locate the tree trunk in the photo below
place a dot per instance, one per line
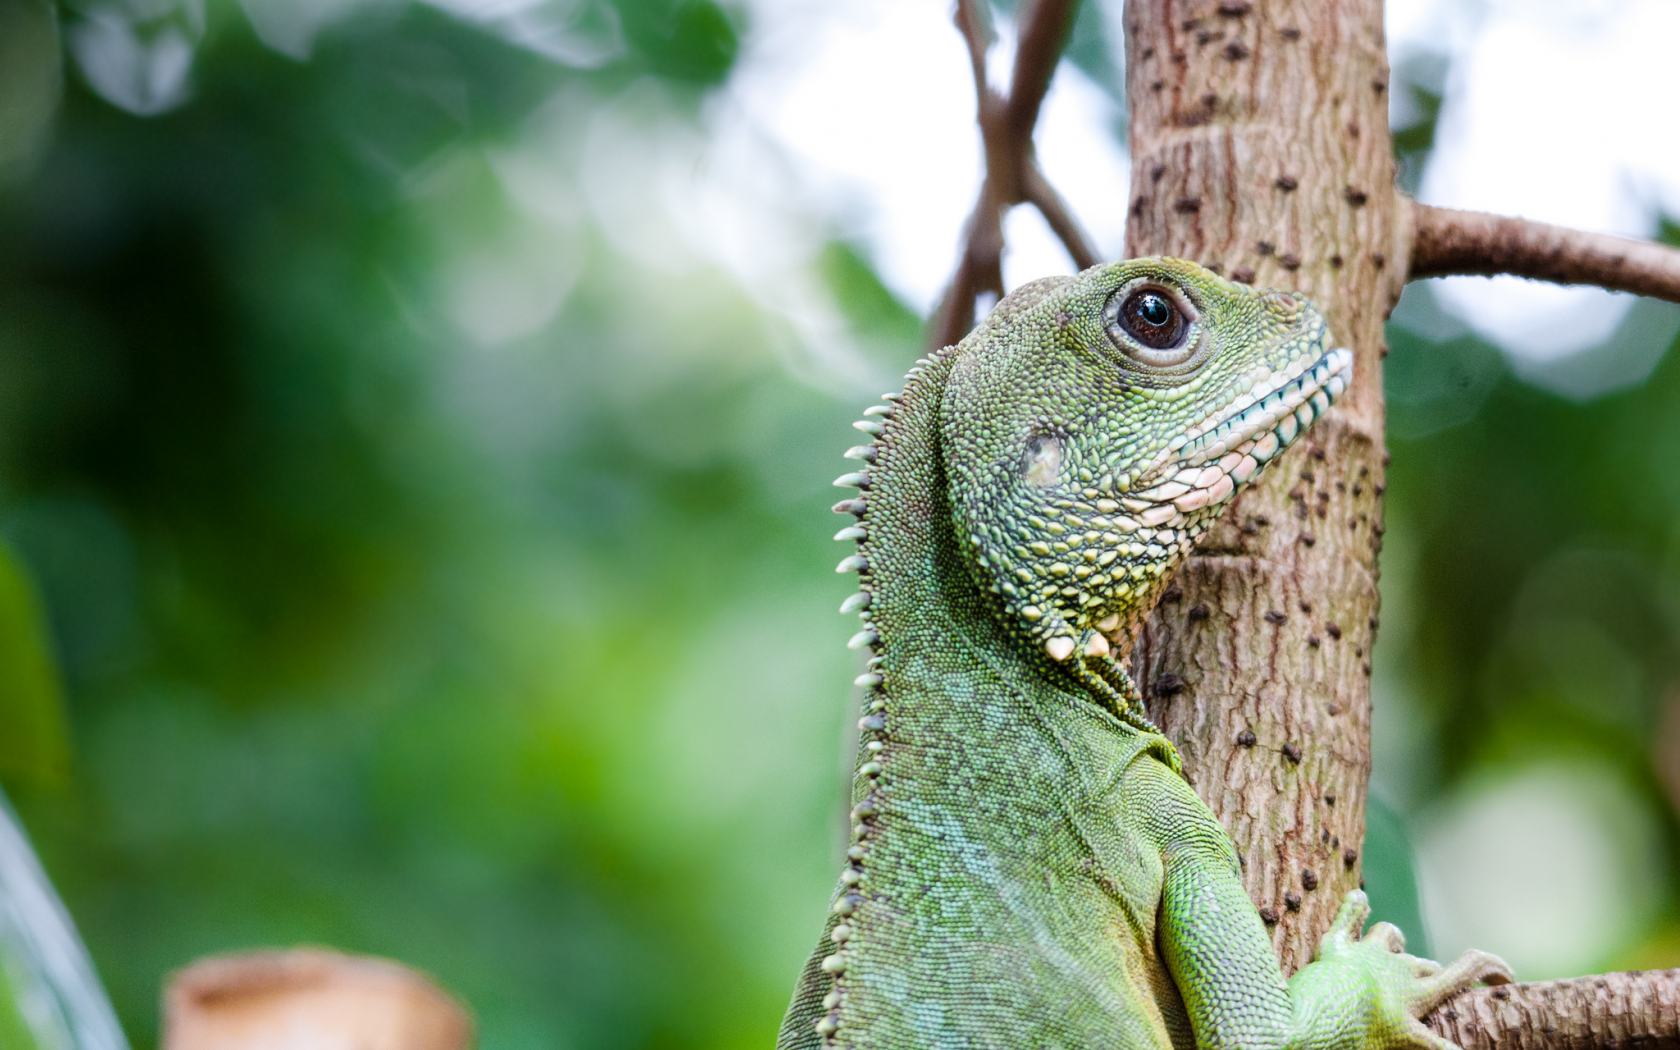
(1260, 148)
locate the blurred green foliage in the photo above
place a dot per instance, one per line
(14, 1030)
(509, 662)
(30, 76)
(1541, 579)
(33, 744)
(398, 613)
(688, 40)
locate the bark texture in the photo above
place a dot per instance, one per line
(1611, 1010)
(1260, 148)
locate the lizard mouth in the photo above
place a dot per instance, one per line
(1216, 456)
(1305, 393)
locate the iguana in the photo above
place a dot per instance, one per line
(1028, 869)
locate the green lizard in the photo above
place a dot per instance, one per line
(1028, 869)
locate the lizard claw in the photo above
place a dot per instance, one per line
(1468, 970)
(1422, 967)
(1350, 919)
(1388, 935)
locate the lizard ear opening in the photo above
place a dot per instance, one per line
(1041, 466)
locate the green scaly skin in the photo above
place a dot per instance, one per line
(1028, 869)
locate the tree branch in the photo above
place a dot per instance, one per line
(979, 270)
(1012, 173)
(1043, 196)
(976, 29)
(1447, 241)
(1044, 30)
(1636, 1008)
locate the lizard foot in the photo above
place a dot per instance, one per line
(1407, 987)
(1442, 983)
(1468, 970)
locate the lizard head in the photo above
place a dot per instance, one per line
(1093, 427)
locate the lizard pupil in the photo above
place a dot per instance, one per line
(1152, 319)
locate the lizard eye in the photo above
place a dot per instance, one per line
(1155, 325)
(1152, 319)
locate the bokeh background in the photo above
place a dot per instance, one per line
(416, 426)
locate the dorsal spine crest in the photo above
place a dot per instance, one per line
(884, 422)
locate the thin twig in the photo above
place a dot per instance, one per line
(1629, 1009)
(978, 270)
(976, 29)
(1044, 31)
(1012, 173)
(1043, 196)
(1472, 242)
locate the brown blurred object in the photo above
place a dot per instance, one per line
(309, 999)
(1665, 757)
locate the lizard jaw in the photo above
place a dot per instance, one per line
(1162, 522)
(1233, 447)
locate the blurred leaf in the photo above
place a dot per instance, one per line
(1418, 90)
(1420, 136)
(32, 735)
(870, 308)
(14, 1030)
(31, 78)
(691, 40)
(1090, 47)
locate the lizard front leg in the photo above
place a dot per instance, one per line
(1360, 992)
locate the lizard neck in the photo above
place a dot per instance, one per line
(934, 631)
(929, 619)
(954, 702)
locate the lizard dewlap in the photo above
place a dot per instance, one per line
(1027, 870)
